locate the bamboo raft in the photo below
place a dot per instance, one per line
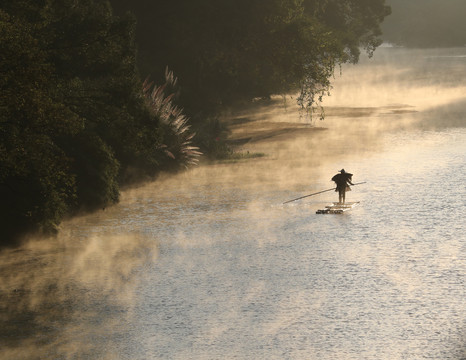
(337, 208)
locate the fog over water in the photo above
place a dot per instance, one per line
(210, 264)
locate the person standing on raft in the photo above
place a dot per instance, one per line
(343, 180)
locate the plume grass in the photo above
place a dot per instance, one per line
(179, 146)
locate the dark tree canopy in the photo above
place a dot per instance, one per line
(231, 50)
(74, 121)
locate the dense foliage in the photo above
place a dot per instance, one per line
(74, 121)
(234, 50)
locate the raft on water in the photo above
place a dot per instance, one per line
(337, 208)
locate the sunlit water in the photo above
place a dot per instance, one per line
(211, 265)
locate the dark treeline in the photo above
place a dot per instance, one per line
(234, 50)
(426, 23)
(77, 120)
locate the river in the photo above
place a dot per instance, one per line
(210, 264)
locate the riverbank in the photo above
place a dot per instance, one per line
(279, 119)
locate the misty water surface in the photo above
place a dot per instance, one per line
(211, 265)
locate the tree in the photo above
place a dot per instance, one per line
(35, 186)
(236, 50)
(347, 25)
(74, 121)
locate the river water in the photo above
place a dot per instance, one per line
(210, 264)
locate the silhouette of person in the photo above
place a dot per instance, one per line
(343, 179)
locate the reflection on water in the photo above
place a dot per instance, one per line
(211, 265)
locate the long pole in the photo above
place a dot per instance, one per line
(320, 192)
